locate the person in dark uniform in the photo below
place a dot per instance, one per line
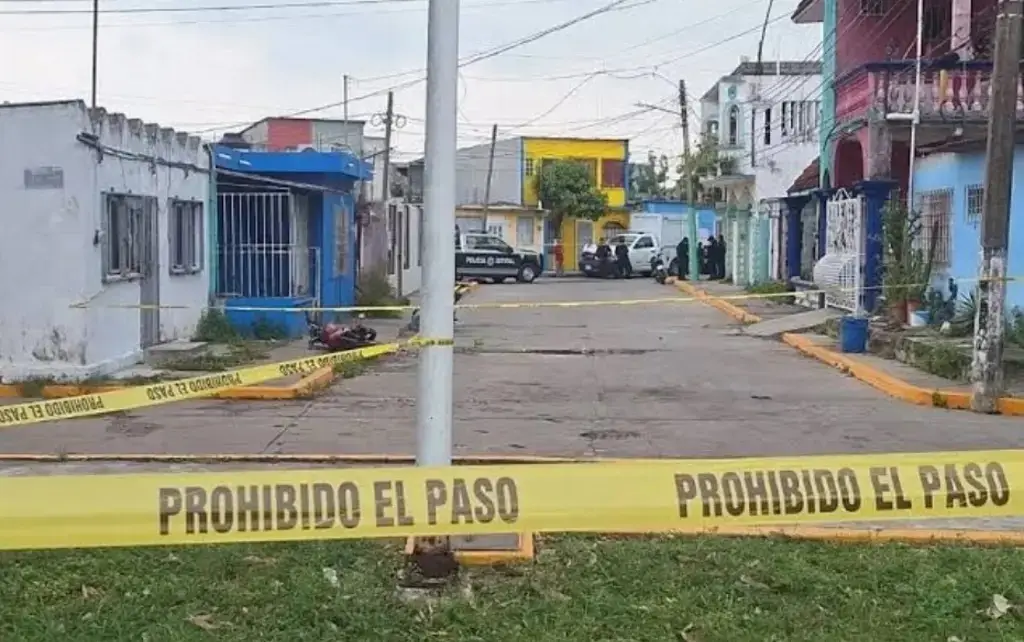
(625, 269)
(721, 257)
(683, 258)
(711, 252)
(603, 256)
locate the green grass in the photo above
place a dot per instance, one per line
(580, 588)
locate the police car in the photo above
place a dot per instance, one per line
(485, 256)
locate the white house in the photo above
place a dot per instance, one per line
(765, 118)
(101, 213)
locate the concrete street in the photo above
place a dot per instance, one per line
(661, 380)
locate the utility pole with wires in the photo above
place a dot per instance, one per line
(684, 114)
(389, 120)
(759, 76)
(490, 171)
(344, 98)
(684, 111)
(95, 47)
(990, 319)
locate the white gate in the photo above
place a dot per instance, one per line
(840, 272)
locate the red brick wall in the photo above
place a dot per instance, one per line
(284, 133)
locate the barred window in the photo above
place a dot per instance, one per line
(936, 208)
(975, 197)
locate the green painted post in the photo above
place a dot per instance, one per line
(694, 255)
(741, 247)
(828, 92)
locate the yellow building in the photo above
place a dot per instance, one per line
(520, 227)
(607, 159)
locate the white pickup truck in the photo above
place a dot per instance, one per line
(642, 248)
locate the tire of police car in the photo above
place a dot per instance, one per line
(527, 273)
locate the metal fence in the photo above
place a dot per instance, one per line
(268, 271)
(263, 249)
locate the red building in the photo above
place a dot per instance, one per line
(872, 46)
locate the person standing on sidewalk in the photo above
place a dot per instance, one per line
(559, 253)
(683, 258)
(721, 257)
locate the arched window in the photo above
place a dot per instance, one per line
(734, 125)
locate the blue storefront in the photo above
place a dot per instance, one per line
(285, 235)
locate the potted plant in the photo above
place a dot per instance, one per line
(897, 230)
(908, 269)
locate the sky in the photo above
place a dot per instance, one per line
(209, 66)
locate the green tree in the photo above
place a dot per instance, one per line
(704, 161)
(566, 189)
(649, 179)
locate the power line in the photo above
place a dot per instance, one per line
(480, 57)
(306, 4)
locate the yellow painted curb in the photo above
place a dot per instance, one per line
(734, 311)
(311, 383)
(302, 389)
(892, 386)
(524, 552)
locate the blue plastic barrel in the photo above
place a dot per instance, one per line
(853, 334)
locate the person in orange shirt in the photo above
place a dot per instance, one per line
(559, 258)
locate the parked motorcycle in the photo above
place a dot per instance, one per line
(337, 337)
(658, 269)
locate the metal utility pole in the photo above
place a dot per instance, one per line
(684, 114)
(385, 187)
(434, 402)
(390, 121)
(990, 320)
(344, 103)
(95, 47)
(757, 84)
(490, 171)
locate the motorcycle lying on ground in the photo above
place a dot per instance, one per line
(658, 269)
(337, 337)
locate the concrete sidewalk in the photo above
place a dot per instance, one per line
(893, 378)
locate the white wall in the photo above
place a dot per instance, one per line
(778, 163)
(506, 176)
(53, 255)
(412, 277)
(373, 151)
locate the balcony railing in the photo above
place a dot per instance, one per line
(956, 92)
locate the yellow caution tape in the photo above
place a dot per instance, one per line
(178, 390)
(644, 496)
(528, 304)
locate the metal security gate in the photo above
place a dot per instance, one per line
(840, 272)
(263, 246)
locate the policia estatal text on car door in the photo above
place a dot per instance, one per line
(485, 256)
